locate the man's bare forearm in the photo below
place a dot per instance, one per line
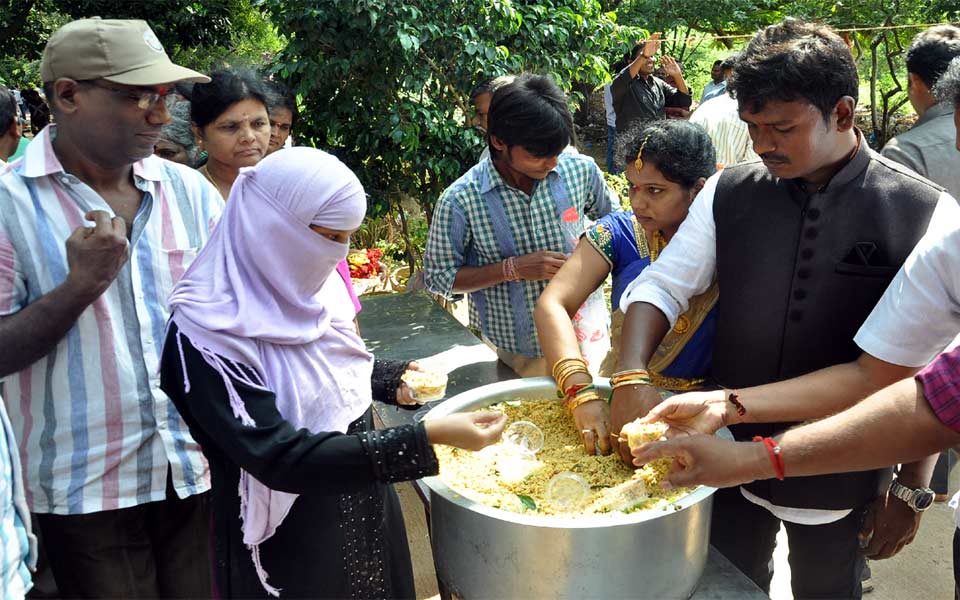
(33, 332)
(821, 393)
(471, 279)
(643, 329)
(681, 85)
(895, 425)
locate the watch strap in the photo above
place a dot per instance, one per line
(918, 499)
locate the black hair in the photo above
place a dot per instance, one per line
(531, 111)
(717, 62)
(227, 87)
(947, 89)
(39, 110)
(931, 51)
(729, 62)
(795, 60)
(680, 150)
(8, 109)
(631, 56)
(484, 87)
(282, 97)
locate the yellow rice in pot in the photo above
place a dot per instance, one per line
(502, 479)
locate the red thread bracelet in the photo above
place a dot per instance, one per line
(734, 399)
(776, 456)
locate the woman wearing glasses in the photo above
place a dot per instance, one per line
(231, 122)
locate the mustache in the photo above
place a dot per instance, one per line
(771, 157)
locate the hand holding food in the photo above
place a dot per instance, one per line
(707, 460)
(694, 412)
(629, 402)
(424, 385)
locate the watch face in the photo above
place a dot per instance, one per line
(924, 500)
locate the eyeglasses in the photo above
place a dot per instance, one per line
(146, 99)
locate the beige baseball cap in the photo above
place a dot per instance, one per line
(121, 51)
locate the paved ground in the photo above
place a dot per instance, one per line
(923, 569)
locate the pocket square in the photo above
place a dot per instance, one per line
(866, 254)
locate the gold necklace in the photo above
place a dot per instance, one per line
(657, 246)
(206, 173)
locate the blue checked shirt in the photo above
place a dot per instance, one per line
(480, 220)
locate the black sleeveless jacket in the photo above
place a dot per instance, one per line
(799, 273)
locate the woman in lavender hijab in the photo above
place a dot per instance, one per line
(264, 363)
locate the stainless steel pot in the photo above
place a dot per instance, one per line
(483, 552)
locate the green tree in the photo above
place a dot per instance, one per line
(384, 83)
(199, 34)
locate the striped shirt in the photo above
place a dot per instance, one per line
(18, 546)
(721, 120)
(480, 220)
(94, 430)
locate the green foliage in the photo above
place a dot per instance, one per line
(621, 186)
(197, 34)
(384, 83)
(879, 53)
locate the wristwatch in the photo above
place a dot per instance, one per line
(919, 500)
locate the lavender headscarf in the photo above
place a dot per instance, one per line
(255, 296)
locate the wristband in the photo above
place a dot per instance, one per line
(775, 454)
(734, 399)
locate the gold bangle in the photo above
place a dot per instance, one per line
(576, 401)
(627, 382)
(565, 363)
(562, 382)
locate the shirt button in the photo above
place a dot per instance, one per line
(811, 233)
(803, 273)
(806, 253)
(813, 214)
(796, 315)
(799, 294)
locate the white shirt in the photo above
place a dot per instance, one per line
(919, 314)
(687, 265)
(608, 105)
(721, 119)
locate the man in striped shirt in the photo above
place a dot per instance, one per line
(94, 232)
(721, 119)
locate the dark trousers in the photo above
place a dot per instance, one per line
(824, 559)
(956, 564)
(155, 550)
(612, 168)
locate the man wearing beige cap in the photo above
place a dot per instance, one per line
(94, 232)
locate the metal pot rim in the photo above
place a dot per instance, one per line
(476, 398)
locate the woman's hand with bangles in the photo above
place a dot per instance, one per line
(592, 420)
(629, 402)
